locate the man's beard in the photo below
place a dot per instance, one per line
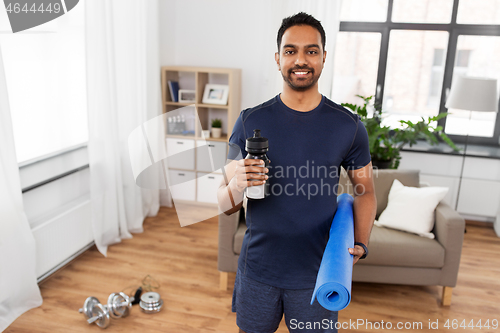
(304, 85)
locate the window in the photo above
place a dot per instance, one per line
(435, 11)
(436, 81)
(408, 75)
(364, 10)
(46, 83)
(355, 65)
(479, 12)
(422, 46)
(476, 56)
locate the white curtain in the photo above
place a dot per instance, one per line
(19, 291)
(122, 41)
(328, 13)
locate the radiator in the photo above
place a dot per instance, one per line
(62, 237)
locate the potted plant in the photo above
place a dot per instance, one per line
(386, 143)
(216, 127)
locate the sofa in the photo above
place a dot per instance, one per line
(396, 257)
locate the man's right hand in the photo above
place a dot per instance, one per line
(238, 172)
(245, 170)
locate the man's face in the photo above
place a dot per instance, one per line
(301, 57)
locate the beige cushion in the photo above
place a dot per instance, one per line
(238, 238)
(382, 180)
(388, 247)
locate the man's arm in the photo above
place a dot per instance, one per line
(364, 207)
(235, 180)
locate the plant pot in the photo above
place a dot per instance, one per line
(381, 164)
(216, 132)
(205, 134)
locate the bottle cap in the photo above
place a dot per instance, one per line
(257, 141)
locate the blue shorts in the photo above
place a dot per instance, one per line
(259, 308)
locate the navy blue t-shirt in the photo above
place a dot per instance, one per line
(287, 231)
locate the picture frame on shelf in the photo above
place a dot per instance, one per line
(187, 96)
(215, 94)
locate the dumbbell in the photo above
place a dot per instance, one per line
(95, 312)
(119, 305)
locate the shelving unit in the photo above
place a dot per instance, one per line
(193, 175)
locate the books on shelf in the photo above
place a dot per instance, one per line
(173, 86)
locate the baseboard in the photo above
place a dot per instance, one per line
(484, 224)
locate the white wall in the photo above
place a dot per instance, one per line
(223, 33)
(479, 193)
(240, 34)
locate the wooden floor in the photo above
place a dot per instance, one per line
(184, 261)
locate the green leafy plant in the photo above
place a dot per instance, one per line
(386, 143)
(216, 123)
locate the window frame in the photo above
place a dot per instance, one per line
(454, 30)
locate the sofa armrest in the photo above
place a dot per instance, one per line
(449, 231)
(228, 224)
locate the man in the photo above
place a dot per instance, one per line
(310, 137)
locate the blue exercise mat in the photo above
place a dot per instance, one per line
(334, 280)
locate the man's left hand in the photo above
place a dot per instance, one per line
(357, 252)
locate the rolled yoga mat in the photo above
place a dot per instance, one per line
(334, 280)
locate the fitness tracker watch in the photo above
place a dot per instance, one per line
(364, 248)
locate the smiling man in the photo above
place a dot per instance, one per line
(310, 138)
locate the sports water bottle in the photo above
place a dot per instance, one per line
(257, 146)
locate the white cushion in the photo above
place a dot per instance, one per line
(411, 209)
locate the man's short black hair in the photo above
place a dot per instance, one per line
(301, 18)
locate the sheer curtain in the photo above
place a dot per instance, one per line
(122, 39)
(19, 291)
